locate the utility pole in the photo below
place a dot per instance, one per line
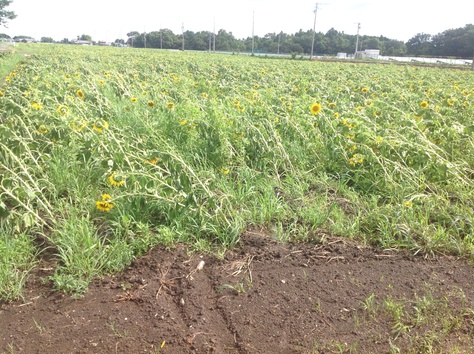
(214, 37)
(357, 40)
(182, 31)
(278, 48)
(314, 32)
(253, 29)
(161, 37)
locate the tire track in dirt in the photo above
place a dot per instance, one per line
(207, 326)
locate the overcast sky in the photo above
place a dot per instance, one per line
(111, 19)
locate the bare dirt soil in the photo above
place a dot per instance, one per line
(262, 297)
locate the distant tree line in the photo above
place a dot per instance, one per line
(457, 42)
(330, 43)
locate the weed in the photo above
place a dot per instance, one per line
(237, 289)
(116, 332)
(38, 326)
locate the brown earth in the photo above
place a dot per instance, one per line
(263, 297)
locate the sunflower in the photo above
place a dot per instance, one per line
(355, 159)
(116, 181)
(316, 108)
(105, 204)
(153, 161)
(78, 124)
(80, 94)
(424, 104)
(100, 126)
(62, 110)
(36, 105)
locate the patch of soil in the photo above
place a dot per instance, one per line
(263, 297)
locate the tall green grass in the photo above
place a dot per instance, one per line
(105, 152)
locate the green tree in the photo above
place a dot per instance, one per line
(131, 38)
(225, 41)
(371, 43)
(458, 42)
(5, 15)
(84, 37)
(170, 40)
(395, 48)
(420, 44)
(198, 40)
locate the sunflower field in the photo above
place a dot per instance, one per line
(106, 152)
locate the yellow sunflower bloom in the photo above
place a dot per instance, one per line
(153, 161)
(100, 126)
(315, 108)
(36, 106)
(63, 110)
(78, 124)
(117, 181)
(105, 204)
(42, 129)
